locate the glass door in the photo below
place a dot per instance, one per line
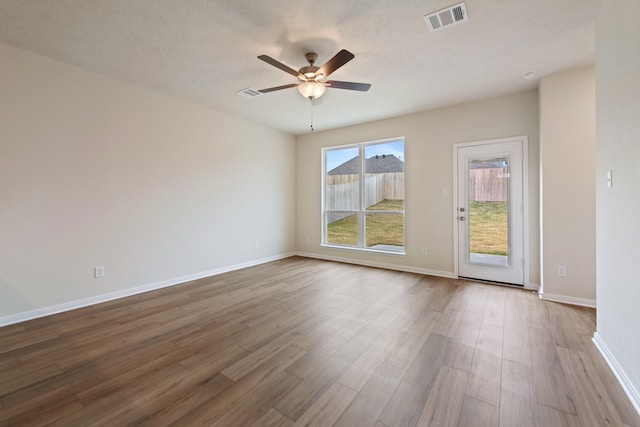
(490, 212)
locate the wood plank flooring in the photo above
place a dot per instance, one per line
(302, 342)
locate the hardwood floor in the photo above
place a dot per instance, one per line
(302, 342)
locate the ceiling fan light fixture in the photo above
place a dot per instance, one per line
(312, 81)
(311, 89)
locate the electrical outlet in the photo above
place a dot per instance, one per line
(256, 244)
(562, 271)
(424, 251)
(98, 272)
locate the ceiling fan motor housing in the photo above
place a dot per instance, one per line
(309, 72)
(311, 57)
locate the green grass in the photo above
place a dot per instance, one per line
(387, 205)
(385, 229)
(488, 225)
(344, 231)
(382, 229)
(487, 222)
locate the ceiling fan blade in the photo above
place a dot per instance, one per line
(336, 62)
(271, 89)
(278, 64)
(362, 87)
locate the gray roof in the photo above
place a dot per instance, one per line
(385, 163)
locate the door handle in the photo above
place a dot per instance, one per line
(461, 218)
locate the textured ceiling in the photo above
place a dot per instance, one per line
(204, 51)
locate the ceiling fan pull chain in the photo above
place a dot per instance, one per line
(311, 103)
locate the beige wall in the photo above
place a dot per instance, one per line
(429, 137)
(94, 171)
(618, 207)
(567, 162)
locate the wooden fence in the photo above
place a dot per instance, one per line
(342, 191)
(489, 184)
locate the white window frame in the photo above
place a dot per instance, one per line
(361, 212)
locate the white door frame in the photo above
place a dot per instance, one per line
(525, 199)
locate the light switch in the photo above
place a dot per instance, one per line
(609, 179)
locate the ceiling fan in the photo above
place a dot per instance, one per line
(311, 79)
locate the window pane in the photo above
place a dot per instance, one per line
(342, 228)
(385, 231)
(384, 176)
(342, 191)
(488, 211)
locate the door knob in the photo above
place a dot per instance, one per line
(461, 218)
(461, 209)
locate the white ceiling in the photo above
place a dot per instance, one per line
(205, 50)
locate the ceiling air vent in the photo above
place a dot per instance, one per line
(446, 17)
(248, 93)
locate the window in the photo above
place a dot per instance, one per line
(364, 196)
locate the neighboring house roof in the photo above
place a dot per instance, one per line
(385, 163)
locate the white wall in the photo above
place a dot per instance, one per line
(94, 171)
(567, 162)
(618, 207)
(429, 137)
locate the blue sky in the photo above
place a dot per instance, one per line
(338, 157)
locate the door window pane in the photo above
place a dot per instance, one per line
(488, 211)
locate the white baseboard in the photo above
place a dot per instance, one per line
(396, 267)
(568, 300)
(72, 305)
(631, 392)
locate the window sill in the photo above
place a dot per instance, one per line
(366, 250)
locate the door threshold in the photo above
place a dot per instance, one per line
(491, 282)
